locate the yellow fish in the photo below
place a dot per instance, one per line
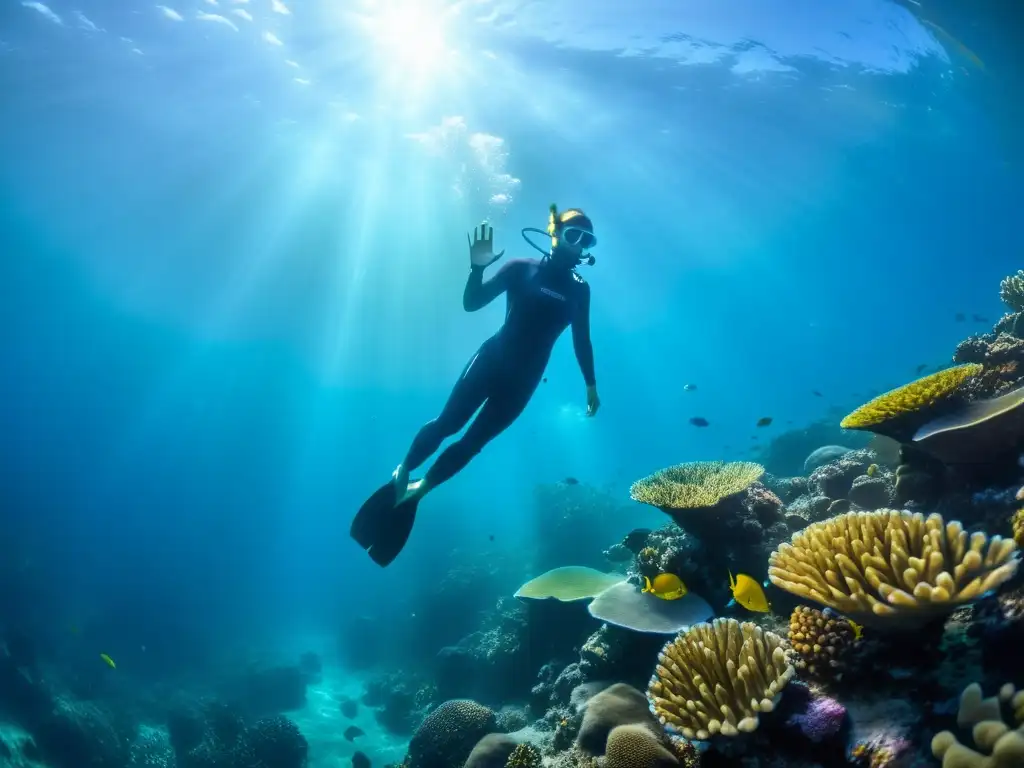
(108, 660)
(748, 593)
(872, 470)
(667, 586)
(858, 630)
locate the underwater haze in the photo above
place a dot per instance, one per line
(232, 257)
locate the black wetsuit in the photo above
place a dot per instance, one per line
(543, 299)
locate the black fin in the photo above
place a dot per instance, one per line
(374, 512)
(393, 532)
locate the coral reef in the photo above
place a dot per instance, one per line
(695, 486)
(717, 678)
(821, 643)
(901, 411)
(447, 736)
(635, 746)
(891, 568)
(1003, 747)
(1011, 291)
(400, 699)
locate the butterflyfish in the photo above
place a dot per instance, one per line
(109, 661)
(748, 593)
(667, 586)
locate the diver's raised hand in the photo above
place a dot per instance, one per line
(481, 246)
(593, 401)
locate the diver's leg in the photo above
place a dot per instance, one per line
(500, 410)
(465, 399)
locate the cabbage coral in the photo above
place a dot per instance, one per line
(1003, 747)
(717, 678)
(891, 567)
(1011, 291)
(915, 401)
(695, 485)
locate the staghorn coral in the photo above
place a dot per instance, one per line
(695, 485)
(635, 746)
(716, 678)
(890, 568)
(1005, 747)
(889, 413)
(821, 642)
(1011, 291)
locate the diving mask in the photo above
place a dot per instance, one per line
(577, 237)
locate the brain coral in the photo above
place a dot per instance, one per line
(1005, 747)
(716, 679)
(448, 734)
(889, 413)
(635, 746)
(695, 485)
(891, 567)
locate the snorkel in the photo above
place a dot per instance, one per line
(551, 231)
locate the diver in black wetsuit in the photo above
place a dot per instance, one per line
(543, 298)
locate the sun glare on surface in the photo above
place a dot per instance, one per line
(409, 36)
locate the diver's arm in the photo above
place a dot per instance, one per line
(479, 292)
(581, 337)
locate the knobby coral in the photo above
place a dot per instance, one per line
(889, 413)
(695, 485)
(891, 567)
(1005, 747)
(716, 678)
(1011, 291)
(821, 642)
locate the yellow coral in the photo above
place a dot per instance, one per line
(912, 398)
(1005, 747)
(716, 678)
(1017, 522)
(695, 485)
(891, 565)
(1011, 291)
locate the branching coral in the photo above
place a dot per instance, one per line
(695, 485)
(820, 642)
(716, 678)
(887, 413)
(890, 567)
(1005, 747)
(524, 756)
(1011, 291)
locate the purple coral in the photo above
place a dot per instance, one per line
(822, 720)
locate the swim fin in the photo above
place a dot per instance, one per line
(382, 527)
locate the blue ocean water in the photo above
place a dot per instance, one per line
(232, 255)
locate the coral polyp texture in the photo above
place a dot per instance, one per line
(889, 413)
(820, 642)
(695, 485)
(1011, 291)
(891, 567)
(716, 679)
(1000, 746)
